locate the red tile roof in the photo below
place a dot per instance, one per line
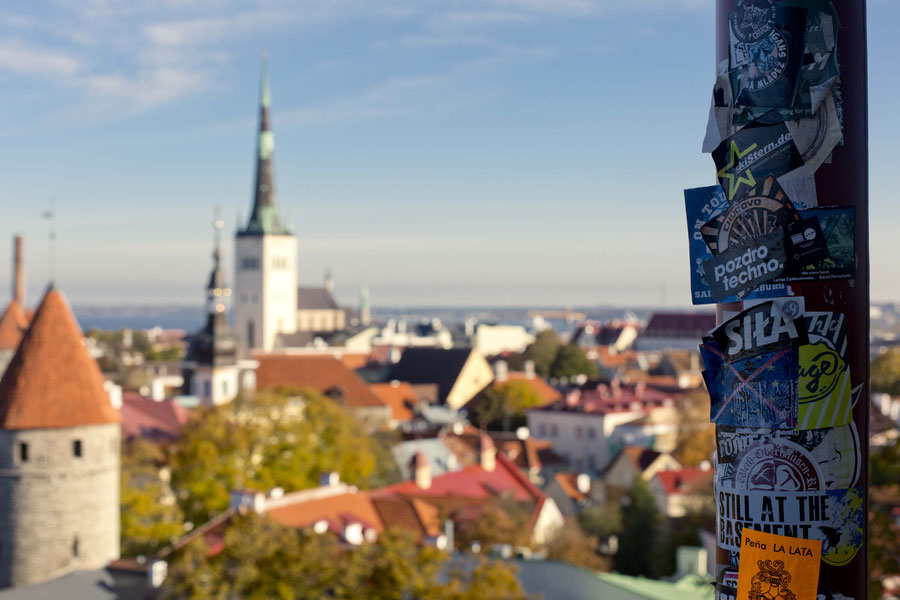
(399, 396)
(341, 509)
(411, 514)
(680, 325)
(323, 373)
(529, 453)
(52, 381)
(147, 418)
(688, 480)
(13, 324)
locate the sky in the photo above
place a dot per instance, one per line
(454, 152)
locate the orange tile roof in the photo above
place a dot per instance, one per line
(412, 514)
(400, 396)
(354, 361)
(337, 510)
(52, 381)
(13, 324)
(322, 373)
(568, 483)
(547, 392)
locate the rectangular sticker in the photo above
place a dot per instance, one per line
(837, 225)
(701, 205)
(742, 269)
(834, 517)
(778, 566)
(762, 328)
(788, 459)
(756, 391)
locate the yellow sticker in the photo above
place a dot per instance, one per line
(777, 567)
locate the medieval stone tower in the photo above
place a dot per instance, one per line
(59, 454)
(265, 260)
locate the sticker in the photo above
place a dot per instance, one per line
(816, 137)
(835, 517)
(762, 328)
(763, 209)
(835, 452)
(741, 269)
(778, 566)
(804, 245)
(766, 53)
(756, 391)
(751, 155)
(701, 205)
(824, 389)
(837, 225)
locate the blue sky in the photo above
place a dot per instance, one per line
(507, 152)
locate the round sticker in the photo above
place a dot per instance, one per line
(776, 465)
(752, 20)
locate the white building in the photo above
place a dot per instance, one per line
(265, 254)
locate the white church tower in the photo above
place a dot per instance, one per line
(265, 283)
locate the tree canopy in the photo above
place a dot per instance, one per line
(281, 439)
(504, 406)
(261, 560)
(886, 372)
(639, 544)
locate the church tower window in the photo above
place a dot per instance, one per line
(76, 448)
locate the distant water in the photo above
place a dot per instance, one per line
(192, 318)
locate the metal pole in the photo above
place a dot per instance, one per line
(844, 182)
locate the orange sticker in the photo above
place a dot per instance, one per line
(777, 567)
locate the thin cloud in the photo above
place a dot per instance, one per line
(16, 57)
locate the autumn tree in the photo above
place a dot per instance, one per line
(572, 545)
(261, 559)
(150, 517)
(503, 406)
(696, 436)
(281, 439)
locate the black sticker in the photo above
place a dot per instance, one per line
(759, 329)
(804, 245)
(742, 268)
(751, 155)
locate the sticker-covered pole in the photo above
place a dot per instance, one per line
(844, 183)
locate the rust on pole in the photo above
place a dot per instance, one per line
(844, 183)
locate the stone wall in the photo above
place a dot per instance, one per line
(58, 512)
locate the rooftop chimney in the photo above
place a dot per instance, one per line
(421, 471)
(18, 291)
(488, 452)
(501, 371)
(529, 369)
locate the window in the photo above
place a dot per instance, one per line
(578, 432)
(207, 388)
(542, 430)
(76, 448)
(249, 263)
(553, 430)
(23, 452)
(251, 335)
(592, 433)
(75, 546)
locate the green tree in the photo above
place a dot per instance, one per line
(639, 543)
(281, 439)
(571, 361)
(150, 517)
(504, 406)
(886, 372)
(602, 521)
(542, 351)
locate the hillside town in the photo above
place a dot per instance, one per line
(297, 447)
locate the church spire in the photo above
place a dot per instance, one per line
(265, 218)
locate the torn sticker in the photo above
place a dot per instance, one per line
(751, 155)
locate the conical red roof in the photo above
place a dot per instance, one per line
(52, 381)
(13, 324)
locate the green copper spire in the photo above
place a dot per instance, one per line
(265, 218)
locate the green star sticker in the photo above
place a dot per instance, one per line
(735, 182)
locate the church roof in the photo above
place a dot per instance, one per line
(265, 218)
(52, 381)
(315, 298)
(13, 324)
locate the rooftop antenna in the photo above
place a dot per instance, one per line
(50, 215)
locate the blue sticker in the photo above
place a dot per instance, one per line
(702, 205)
